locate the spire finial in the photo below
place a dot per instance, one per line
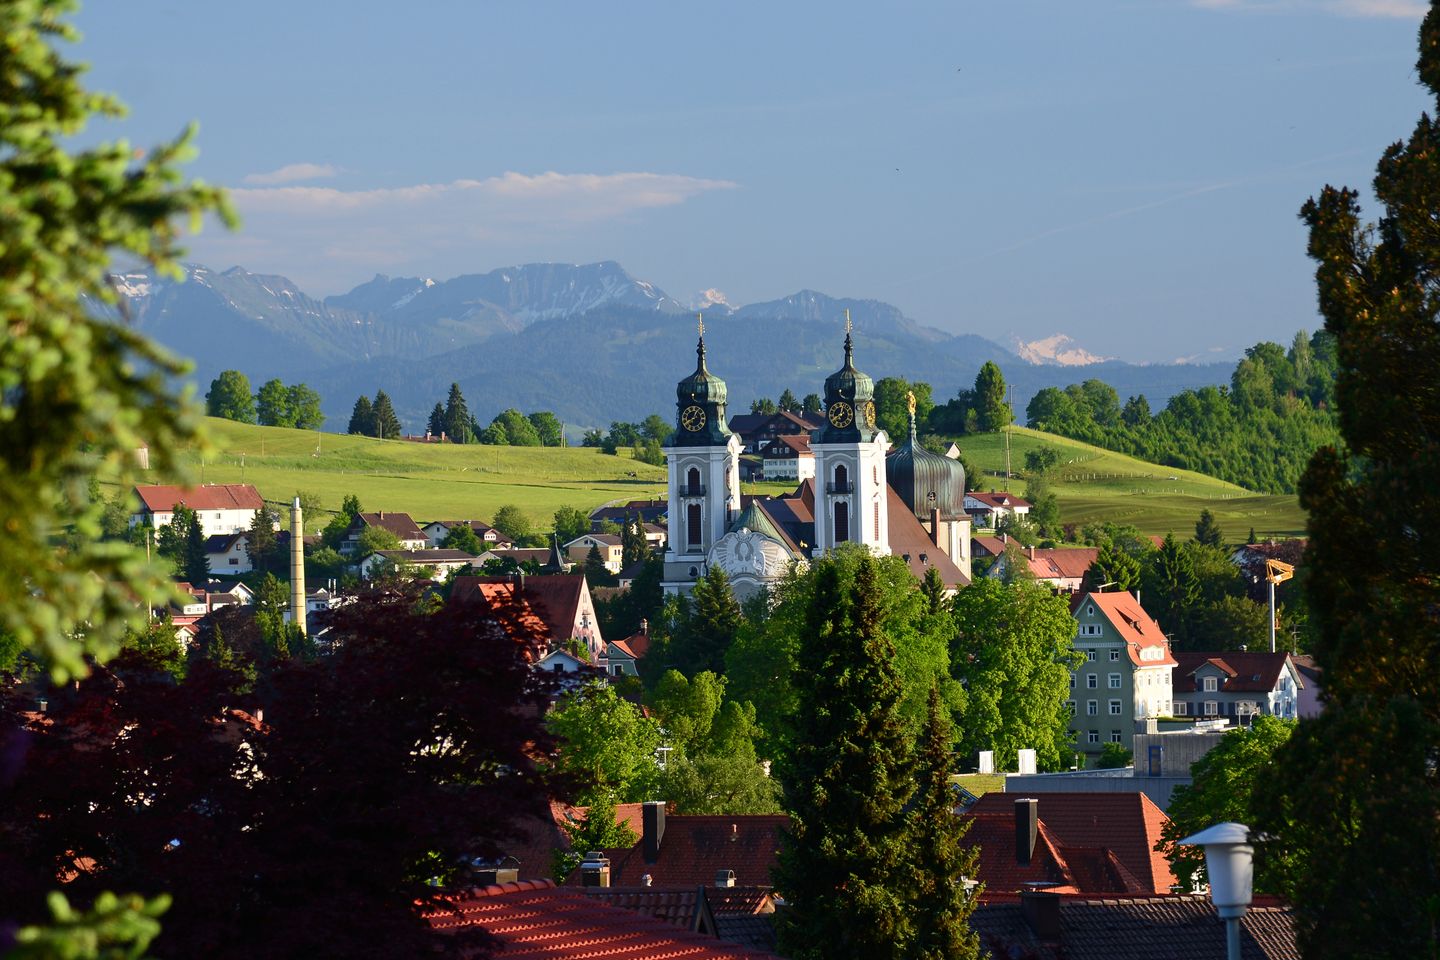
(700, 345)
(700, 319)
(849, 347)
(847, 321)
(910, 402)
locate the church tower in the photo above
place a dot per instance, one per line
(703, 459)
(850, 492)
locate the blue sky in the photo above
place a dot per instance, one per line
(1126, 172)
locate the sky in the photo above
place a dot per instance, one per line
(1123, 172)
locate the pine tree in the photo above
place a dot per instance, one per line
(197, 564)
(387, 425)
(457, 416)
(436, 424)
(362, 418)
(843, 861)
(261, 541)
(709, 627)
(1207, 530)
(633, 546)
(596, 575)
(788, 403)
(942, 862)
(933, 586)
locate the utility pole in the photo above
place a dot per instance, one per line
(1009, 401)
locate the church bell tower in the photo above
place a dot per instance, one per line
(703, 460)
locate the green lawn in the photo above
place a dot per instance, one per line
(1094, 484)
(980, 783)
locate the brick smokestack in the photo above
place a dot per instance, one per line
(297, 566)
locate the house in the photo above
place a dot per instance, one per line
(410, 536)
(434, 564)
(1044, 925)
(622, 657)
(988, 509)
(649, 511)
(544, 612)
(228, 553)
(533, 919)
(437, 530)
(221, 508)
(755, 430)
(787, 458)
(1237, 685)
(1063, 569)
(569, 671)
(609, 545)
(1309, 705)
(655, 535)
(988, 548)
(691, 849)
(1126, 674)
(1079, 842)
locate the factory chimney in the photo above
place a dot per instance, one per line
(297, 566)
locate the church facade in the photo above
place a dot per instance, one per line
(904, 501)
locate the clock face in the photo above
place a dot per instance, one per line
(841, 415)
(867, 413)
(692, 418)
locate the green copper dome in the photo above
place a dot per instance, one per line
(849, 401)
(700, 407)
(702, 386)
(926, 480)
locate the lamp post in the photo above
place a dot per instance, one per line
(1230, 863)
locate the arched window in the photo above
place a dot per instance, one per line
(842, 479)
(692, 525)
(692, 482)
(842, 519)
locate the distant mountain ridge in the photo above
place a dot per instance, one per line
(590, 342)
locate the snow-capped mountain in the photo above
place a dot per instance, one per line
(1057, 349)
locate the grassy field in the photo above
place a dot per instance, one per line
(1094, 484)
(432, 482)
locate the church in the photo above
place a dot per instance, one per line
(905, 501)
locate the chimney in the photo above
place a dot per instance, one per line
(297, 566)
(652, 827)
(725, 878)
(646, 880)
(1027, 816)
(595, 870)
(1030, 551)
(644, 627)
(1041, 909)
(504, 870)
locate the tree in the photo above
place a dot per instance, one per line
(436, 424)
(387, 425)
(763, 405)
(892, 405)
(708, 629)
(1044, 506)
(457, 416)
(495, 435)
(633, 545)
(811, 403)
(305, 413)
(1207, 531)
(272, 405)
(655, 427)
(596, 574)
(992, 410)
(374, 539)
(570, 523)
(1229, 623)
(548, 428)
(519, 431)
(1117, 756)
(596, 830)
(309, 508)
(847, 780)
(606, 745)
(1223, 789)
(261, 542)
(1013, 652)
(592, 438)
(941, 861)
(229, 397)
(1368, 763)
(1115, 567)
(1171, 588)
(1136, 412)
(362, 418)
(788, 403)
(462, 537)
(511, 521)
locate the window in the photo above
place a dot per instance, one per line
(1209, 684)
(1114, 681)
(692, 483)
(1090, 610)
(1093, 736)
(1090, 630)
(1210, 709)
(877, 524)
(1092, 707)
(1114, 708)
(1090, 654)
(1114, 736)
(842, 479)
(693, 532)
(1114, 656)
(842, 519)
(1092, 680)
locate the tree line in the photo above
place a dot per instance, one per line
(453, 422)
(274, 405)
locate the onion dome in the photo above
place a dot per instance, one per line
(849, 400)
(926, 480)
(702, 386)
(700, 405)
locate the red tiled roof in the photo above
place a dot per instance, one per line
(535, 920)
(1246, 672)
(1136, 627)
(1127, 824)
(399, 524)
(993, 546)
(694, 848)
(498, 596)
(798, 445)
(551, 602)
(1068, 563)
(674, 905)
(908, 538)
(162, 498)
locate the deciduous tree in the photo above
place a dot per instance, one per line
(992, 410)
(272, 405)
(606, 745)
(229, 397)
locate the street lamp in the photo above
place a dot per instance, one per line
(1230, 863)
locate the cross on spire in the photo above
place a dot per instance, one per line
(700, 319)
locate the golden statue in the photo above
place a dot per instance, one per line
(910, 401)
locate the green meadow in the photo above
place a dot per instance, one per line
(431, 481)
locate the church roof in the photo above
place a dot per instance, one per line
(916, 473)
(756, 518)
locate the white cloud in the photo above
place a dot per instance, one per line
(293, 173)
(327, 239)
(1404, 9)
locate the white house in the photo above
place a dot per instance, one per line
(228, 553)
(788, 458)
(221, 508)
(437, 530)
(988, 509)
(428, 563)
(1237, 686)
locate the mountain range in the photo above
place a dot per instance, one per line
(589, 342)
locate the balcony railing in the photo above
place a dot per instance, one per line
(693, 490)
(839, 488)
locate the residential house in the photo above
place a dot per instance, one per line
(228, 553)
(649, 511)
(543, 612)
(787, 458)
(987, 548)
(1237, 685)
(221, 508)
(656, 535)
(1062, 569)
(1044, 925)
(1309, 705)
(691, 850)
(609, 545)
(622, 657)
(1126, 674)
(1077, 842)
(437, 530)
(410, 536)
(988, 509)
(757, 429)
(434, 564)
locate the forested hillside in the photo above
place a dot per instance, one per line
(1258, 433)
